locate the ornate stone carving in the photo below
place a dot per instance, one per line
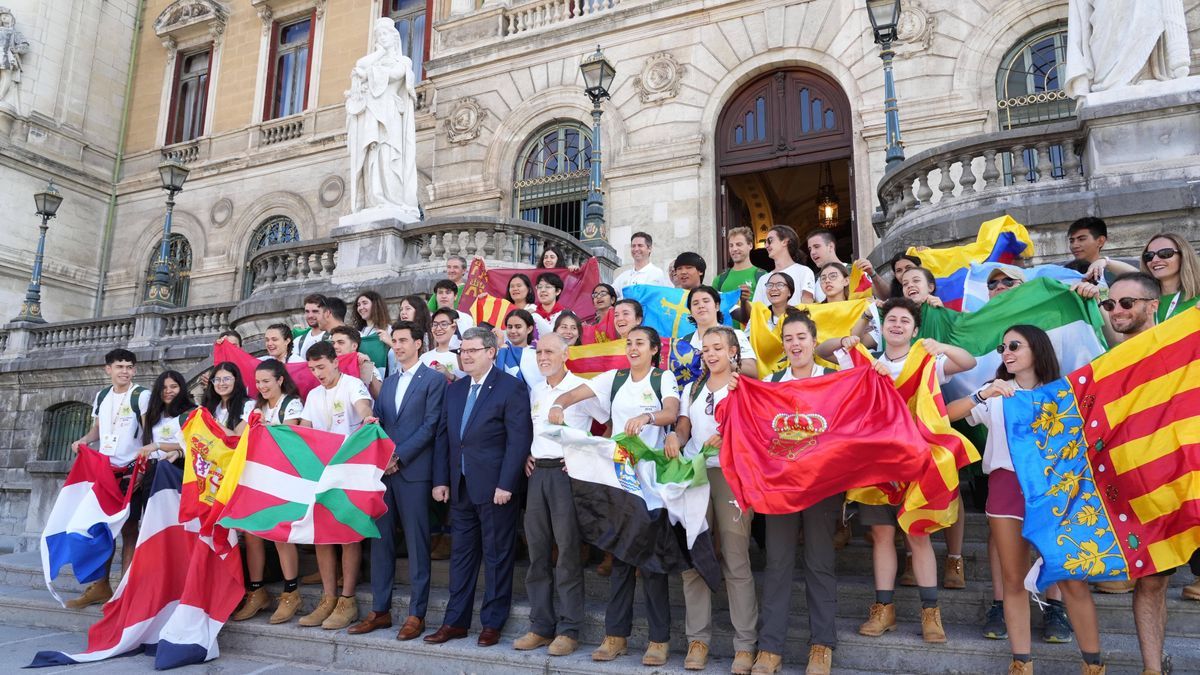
(184, 13)
(331, 191)
(12, 46)
(660, 79)
(914, 33)
(267, 17)
(221, 212)
(465, 121)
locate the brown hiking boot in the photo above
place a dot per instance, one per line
(310, 579)
(743, 661)
(604, 569)
(767, 663)
(908, 578)
(1115, 587)
(254, 602)
(530, 640)
(1086, 668)
(841, 537)
(441, 547)
(289, 604)
(97, 593)
(931, 625)
(881, 619)
(820, 660)
(696, 659)
(563, 645)
(611, 648)
(323, 610)
(656, 653)
(954, 578)
(343, 614)
(1020, 667)
(1192, 591)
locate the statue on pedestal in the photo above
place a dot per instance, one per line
(12, 46)
(381, 132)
(1118, 43)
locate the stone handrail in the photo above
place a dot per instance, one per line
(196, 321)
(82, 333)
(281, 130)
(502, 239)
(950, 175)
(523, 17)
(293, 263)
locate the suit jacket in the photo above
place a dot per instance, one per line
(413, 428)
(496, 440)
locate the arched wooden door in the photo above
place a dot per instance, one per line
(772, 141)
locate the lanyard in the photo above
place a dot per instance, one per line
(1171, 307)
(116, 409)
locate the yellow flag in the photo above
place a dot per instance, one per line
(987, 246)
(833, 319)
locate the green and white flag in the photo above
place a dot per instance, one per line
(1073, 324)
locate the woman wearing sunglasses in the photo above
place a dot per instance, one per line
(695, 431)
(1028, 362)
(1169, 258)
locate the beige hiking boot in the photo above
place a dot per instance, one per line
(881, 620)
(289, 604)
(1115, 587)
(656, 653)
(611, 648)
(954, 578)
(909, 578)
(931, 625)
(1192, 591)
(97, 593)
(322, 612)
(820, 660)
(1020, 667)
(562, 645)
(767, 663)
(255, 602)
(343, 614)
(1086, 668)
(530, 640)
(696, 659)
(743, 661)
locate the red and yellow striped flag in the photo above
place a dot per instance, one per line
(588, 361)
(931, 502)
(860, 284)
(490, 309)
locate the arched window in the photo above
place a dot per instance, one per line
(272, 231)
(179, 261)
(63, 423)
(1030, 80)
(552, 171)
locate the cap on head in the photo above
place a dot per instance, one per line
(1009, 271)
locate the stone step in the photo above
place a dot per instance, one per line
(902, 651)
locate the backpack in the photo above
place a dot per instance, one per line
(135, 393)
(622, 377)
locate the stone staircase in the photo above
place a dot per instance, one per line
(24, 601)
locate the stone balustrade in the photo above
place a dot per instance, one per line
(990, 167)
(187, 153)
(297, 263)
(282, 130)
(196, 321)
(82, 333)
(507, 240)
(529, 16)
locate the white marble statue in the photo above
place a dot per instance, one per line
(12, 46)
(1118, 43)
(381, 132)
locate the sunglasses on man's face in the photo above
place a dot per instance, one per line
(1011, 346)
(1125, 303)
(993, 284)
(1164, 253)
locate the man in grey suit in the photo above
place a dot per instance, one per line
(409, 408)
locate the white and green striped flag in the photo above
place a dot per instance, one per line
(1073, 324)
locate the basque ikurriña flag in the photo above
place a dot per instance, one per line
(176, 595)
(1109, 459)
(1001, 240)
(645, 509)
(305, 486)
(86, 516)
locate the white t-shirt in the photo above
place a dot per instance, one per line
(300, 348)
(543, 326)
(578, 416)
(120, 429)
(817, 371)
(633, 399)
(743, 343)
(333, 409)
(650, 275)
(801, 275)
(222, 415)
(295, 407)
(896, 367)
(446, 358)
(704, 424)
(167, 430)
(990, 413)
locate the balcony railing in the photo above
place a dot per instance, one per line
(292, 264)
(197, 321)
(504, 240)
(525, 17)
(82, 333)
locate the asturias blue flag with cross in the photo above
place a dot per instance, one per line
(666, 311)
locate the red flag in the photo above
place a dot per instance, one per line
(787, 446)
(305, 382)
(603, 331)
(577, 285)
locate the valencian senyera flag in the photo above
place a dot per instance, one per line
(1073, 324)
(833, 319)
(645, 509)
(177, 594)
(91, 508)
(665, 309)
(1108, 459)
(490, 310)
(305, 486)
(930, 502)
(1001, 240)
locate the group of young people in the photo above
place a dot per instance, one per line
(468, 406)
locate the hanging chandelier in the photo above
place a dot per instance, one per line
(827, 200)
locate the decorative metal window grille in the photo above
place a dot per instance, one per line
(551, 185)
(63, 423)
(179, 262)
(291, 69)
(409, 16)
(1029, 91)
(274, 230)
(191, 97)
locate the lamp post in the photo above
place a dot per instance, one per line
(598, 76)
(885, 17)
(47, 202)
(173, 174)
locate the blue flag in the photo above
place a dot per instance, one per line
(665, 309)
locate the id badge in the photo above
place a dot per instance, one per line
(109, 442)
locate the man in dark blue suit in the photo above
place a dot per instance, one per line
(409, 408)
(483, 441)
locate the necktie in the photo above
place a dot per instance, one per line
(462, 429)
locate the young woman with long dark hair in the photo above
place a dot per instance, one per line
(225, 398)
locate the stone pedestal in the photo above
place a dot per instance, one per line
(1143, 138)
(149, 324)
(46, 478)
(20, 339)
(371, 244)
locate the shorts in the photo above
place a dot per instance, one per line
(1005, 499)
(877, 514)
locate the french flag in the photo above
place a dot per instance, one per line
(88, 513)
(176, 596)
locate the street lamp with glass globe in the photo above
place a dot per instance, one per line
(47, 202)
(172, 173)
(885, 19)
(598, 76)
